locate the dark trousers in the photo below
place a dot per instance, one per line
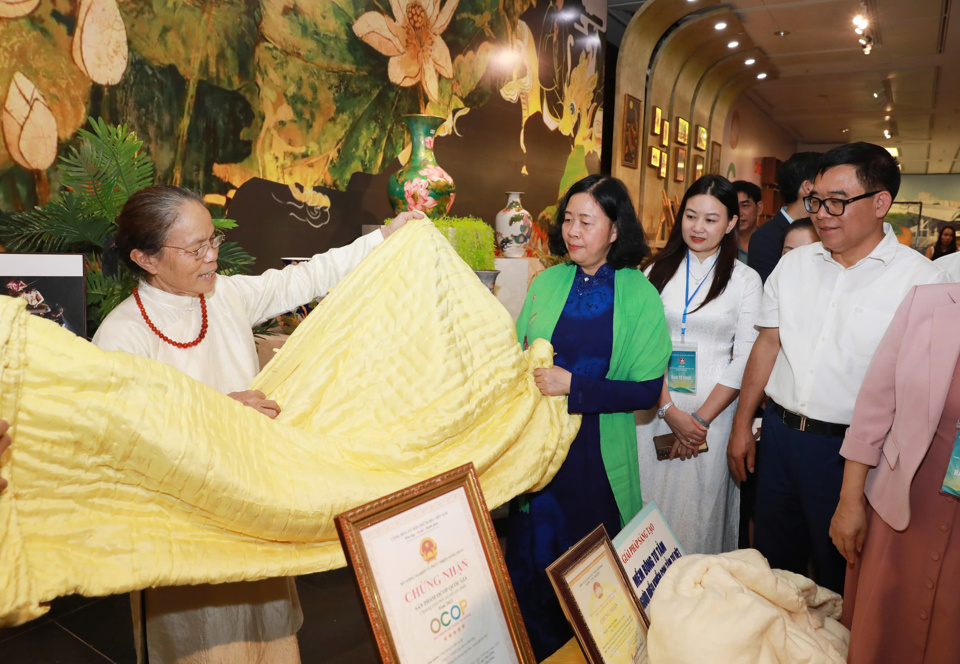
(798, 487)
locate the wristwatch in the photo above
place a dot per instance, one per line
(662, 411)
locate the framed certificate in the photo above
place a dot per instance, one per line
(597, 599)
(432, 577)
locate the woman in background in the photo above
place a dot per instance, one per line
(185, 315)
(898, 519)
(711, 300)
(606, 325)
(946, 244)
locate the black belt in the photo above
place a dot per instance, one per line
(808, 424)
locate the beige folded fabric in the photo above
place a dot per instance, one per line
(733, 608)
(125, 473)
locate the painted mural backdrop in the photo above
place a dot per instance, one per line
(306, 94)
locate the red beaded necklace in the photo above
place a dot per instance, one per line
(163, 337)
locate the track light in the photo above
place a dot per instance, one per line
(749, 61)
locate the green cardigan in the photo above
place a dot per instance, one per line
(641, 349)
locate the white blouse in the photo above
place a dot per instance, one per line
(226, 359)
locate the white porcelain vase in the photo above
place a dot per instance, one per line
(514, 226)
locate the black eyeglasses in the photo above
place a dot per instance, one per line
(199, 253)
(835, 206)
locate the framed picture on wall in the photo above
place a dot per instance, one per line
(714, 158)
(657, 120)
(683, 131)
(52, 284)
(701, 137)
(698, 162)
(665, 133)
(662, 173)
(654, 156)
(632, 114)
(680, 164)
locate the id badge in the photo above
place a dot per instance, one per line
(951, 483)
(682, 369)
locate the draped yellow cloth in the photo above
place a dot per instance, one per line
(125, 473)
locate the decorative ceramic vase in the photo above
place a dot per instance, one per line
(421, 184)
(514, 226)
(489, 278)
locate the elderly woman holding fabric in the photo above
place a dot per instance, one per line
(898, 519)
(607, 327)
(185, 315)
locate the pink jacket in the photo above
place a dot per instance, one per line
(900, 403)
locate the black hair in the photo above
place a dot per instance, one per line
(877, 169)
(750, 189)
(800, 167)
(145, 220)
(938, 247)
(802, 222)
(667, 262)
(630, 247)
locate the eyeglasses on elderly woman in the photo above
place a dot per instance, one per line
(200, 252)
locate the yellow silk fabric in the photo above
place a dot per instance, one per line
(125, 473)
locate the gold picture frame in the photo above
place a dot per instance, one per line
(428, 556)
(654, 156)
(701, 137)
(665, 133)
(662, 172)
(698, 164)
(715, 149)
(598, 601)
(632, 115)
(680, 164)
(657, 120)
(683, 131)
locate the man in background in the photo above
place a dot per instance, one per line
(751, 207)
(795, 181)
(825, 308)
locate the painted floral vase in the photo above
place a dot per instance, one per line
(421, 184)
(514, 226)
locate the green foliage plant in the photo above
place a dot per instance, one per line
(471, 237)
(97, 177)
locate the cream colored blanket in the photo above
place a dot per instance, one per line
(124, 473)
(733, 608)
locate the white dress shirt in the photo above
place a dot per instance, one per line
(951, 265)
(226, 359)
(832, 318)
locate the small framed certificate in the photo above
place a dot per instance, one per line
(432, 577)
(597, 599)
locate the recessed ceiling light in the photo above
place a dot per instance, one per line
(781, 33)
(876, 95)
(762, 75)
(886, 133)
(860, 21)
(720, 26)
(886, 117)
(749, 61)
(863, 41)
(859, 31)
(845, 131)
(733, 44)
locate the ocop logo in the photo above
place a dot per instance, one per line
(448, 617)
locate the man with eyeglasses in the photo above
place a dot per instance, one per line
(825, 308)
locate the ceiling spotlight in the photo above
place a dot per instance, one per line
(860, 21)
(733, 44)
(720, 26)
(876, 95)
(762, 75)
(867, 49)
(781, 33)
(886, 117)
(859, 31)
(749, 61)
(886, 133)
(863, 40)
(846, 131)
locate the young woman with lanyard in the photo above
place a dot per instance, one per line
(710, 300)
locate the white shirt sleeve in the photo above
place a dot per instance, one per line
(769, 315)
(746, 332)
(277, 291)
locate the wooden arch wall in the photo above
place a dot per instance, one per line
(672, 57)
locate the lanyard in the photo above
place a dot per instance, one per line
(689, 297)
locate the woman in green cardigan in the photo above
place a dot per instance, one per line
(611, 344)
